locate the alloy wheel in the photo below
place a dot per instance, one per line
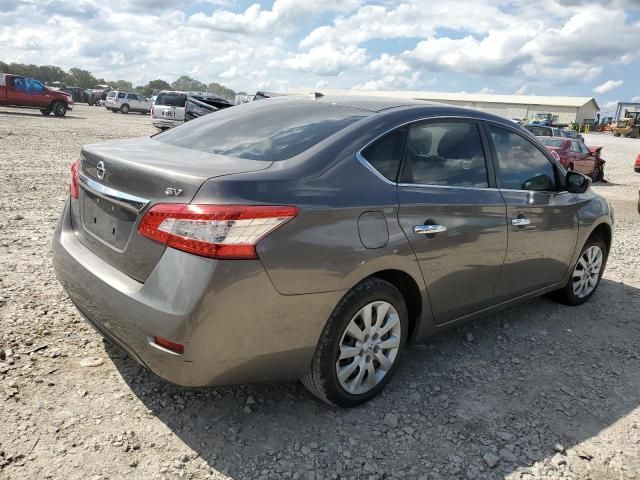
(369, 347)
(587, 271)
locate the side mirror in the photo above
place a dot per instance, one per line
(577, 183)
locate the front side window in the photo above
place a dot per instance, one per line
(446, 154)
(385, 154)
(522, 165)
(575, 147)
(584, 148)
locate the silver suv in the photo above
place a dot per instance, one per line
(125, 102)
(168, 109)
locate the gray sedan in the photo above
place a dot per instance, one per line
(314, 237)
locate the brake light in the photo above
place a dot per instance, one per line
(215, 231)
(73, 183)
(638, 161)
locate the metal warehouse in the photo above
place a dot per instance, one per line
(567, 109)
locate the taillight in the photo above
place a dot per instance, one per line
(169, 345)
(638, 161)
(216, 231)
(73, 183)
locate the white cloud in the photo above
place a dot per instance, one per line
(487, 90)
(609, 106)
(522, 90)
(608, 86)
(327, 59)
(636, 99)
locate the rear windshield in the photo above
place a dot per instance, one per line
(539, 131)
(552, 142)
(270, 130)
(171, 99)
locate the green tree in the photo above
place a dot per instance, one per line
(221, 91)
(186, 83)
(122, 85)
(81, 78)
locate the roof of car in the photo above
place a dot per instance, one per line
(371, 103)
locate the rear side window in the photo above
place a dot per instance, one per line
(270, 130)
(132, 96)
(448, 154)
(385, 154)
(121, 94)
(171, 99)
(522, 165)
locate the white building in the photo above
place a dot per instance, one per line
(568, 109)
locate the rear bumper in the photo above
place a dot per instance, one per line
(234, 325)
(164, 123)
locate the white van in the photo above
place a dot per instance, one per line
(168, 109)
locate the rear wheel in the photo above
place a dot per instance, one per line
(59, 109)
(125, 108)
(360, 347)
(587, 272)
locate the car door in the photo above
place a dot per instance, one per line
(132, 100)
(452, 214)
(588, 161)
(17, 91)
(581, 163)
(542, 220)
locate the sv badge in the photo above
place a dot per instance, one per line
(173, 192)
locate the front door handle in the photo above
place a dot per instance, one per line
(428, 229)
(520, 222)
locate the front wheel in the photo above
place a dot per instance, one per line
(59, 109)
(598, 174)
(587, 272)
(360, 347)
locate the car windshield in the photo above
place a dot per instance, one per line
(270, 130)
(552, 142)
(171, 99)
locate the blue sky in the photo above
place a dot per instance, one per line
(543, 47)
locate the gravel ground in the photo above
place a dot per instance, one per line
(538, 391)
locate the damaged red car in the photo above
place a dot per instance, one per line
(575, 155)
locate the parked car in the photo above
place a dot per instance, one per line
(571, 134)
(316, 237)
(125, 102)
(173, 108)
(21, 91)
(168, 109)
(575, 155)
(199, 105)
(544, 131)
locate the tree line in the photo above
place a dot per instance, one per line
(77, 77)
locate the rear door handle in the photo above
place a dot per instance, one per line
(520, 222)
(428, 229)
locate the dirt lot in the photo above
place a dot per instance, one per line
(538, 391)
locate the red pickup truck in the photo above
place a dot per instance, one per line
(20, 91)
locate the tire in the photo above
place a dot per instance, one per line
(59, 109)
(570, 167)
(113, 110)
(125, 109)
(45, 111)
(568, 294)
(616, 134)
(598, 173)
(322, 379)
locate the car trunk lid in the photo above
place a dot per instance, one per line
(120, 180)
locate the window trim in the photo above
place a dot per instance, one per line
(360, 156)
(560, 185)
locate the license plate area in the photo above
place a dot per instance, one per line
(106, 220)
(168, 114)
